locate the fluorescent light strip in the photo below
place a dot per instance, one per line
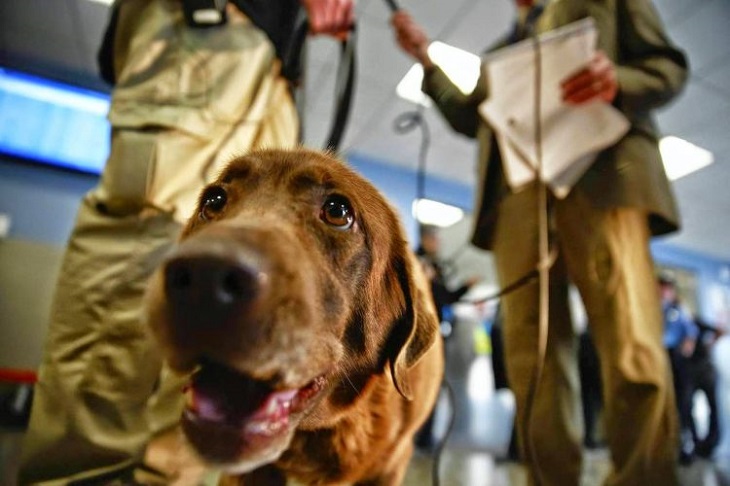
(461, 66)
(427, 211)
(409, 88)
(46, 91)
(53, 123)
(681, 157)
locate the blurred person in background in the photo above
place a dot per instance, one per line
(680, 339)
(703, 378)
(428, 253)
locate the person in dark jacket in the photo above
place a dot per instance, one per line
(428, 254)
(443, 297)
(702, 377)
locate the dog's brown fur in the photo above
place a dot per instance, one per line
(348, 304)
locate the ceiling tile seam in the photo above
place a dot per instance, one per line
(366, 126)
(723, 93)
(456, 19)
(717, 89)
(324, 69)
(712, 66)
(697, 126)
(368, 15)
(684, 14)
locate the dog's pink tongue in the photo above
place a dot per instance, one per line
(222, 397)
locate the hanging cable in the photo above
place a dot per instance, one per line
(405, 123)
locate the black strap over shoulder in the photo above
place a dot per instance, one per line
(277, 18)
(286, 24)
(105, 54)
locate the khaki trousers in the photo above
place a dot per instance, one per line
(605, 253)
(186, 102)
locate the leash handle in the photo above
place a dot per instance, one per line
(291, 67)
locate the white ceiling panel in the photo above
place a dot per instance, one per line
(484, 24)
(704, 34)
(676, 11)
(696, 106)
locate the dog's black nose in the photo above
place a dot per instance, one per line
(210, 283)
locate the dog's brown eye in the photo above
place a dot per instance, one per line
(213, 201)
(337, 213)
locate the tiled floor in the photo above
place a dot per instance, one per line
(458, 468)
(481, 431)
(461, 468)
(482, 426)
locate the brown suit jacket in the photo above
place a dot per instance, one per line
(651, 72)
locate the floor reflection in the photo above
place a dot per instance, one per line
(477, 446)
(482, 422)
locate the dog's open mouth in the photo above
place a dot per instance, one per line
(229, 416)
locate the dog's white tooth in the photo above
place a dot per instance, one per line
(257, 427)
(272, 405)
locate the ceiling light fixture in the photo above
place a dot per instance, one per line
(461, 66)
(427, 211)
(105, 2)
(681, 157)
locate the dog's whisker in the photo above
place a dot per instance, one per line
(350, 382)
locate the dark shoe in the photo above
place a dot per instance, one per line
(704, 450)
(686, 458)
(425, 443)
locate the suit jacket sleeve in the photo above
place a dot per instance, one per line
(650, 71)
(459, 109)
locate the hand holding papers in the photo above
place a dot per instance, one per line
(571, 135)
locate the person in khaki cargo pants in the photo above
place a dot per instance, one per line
(602, 231)
(185, 101)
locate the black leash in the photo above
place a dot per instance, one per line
(344, 84)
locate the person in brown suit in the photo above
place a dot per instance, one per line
(601, 229)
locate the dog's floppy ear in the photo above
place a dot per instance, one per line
(417, 328)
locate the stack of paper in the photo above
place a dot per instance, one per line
(570, 136)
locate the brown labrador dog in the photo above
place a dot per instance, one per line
(304, 320)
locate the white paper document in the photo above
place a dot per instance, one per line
(570, 136)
